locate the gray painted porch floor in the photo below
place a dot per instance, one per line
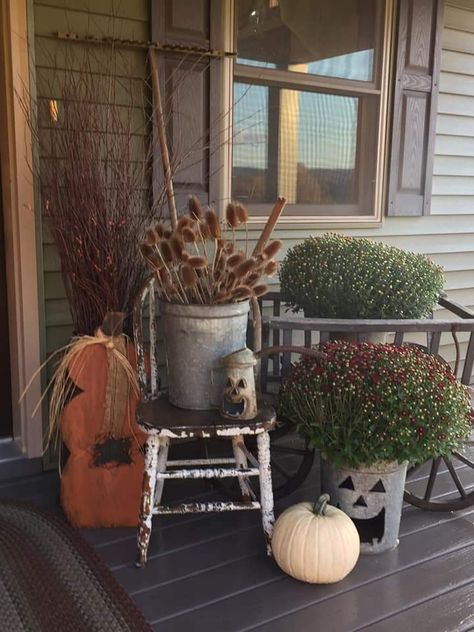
(210, 572)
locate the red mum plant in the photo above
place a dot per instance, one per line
(367, 403)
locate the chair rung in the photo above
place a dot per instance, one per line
(210, 472)
(181, 462)
(206, 507)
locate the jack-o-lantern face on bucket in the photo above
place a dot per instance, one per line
(372, 497)
(367, 504)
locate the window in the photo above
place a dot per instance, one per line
(309, 106)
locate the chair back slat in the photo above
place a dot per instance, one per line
(468, 362)
(286, 355)
(152, 326)
(398, 340)
(434, 339)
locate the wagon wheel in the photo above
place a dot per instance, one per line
(449, 485)
(291, 462)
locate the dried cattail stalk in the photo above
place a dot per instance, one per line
(242, 213)
(272, 248)
(229, 248)
(231, 215)
(195, 208)
(270, 268)
(197, 262)
(213, 224)
(183, 222)
(235, 259)
(189, 276)
(204, 231)
(166, 251)
(260, 290)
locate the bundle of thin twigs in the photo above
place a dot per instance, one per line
(199, 262)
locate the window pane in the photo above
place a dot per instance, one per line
(332, 39)
(299, 144)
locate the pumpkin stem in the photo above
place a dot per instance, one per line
(319, 507)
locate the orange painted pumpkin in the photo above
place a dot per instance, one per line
(101, 480)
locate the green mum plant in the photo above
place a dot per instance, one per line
(334, 276)
(368, 403)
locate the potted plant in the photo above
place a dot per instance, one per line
(370, 410)
(205, 282)
(335, 276)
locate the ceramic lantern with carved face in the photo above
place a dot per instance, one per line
(239, 399)
(372, 497)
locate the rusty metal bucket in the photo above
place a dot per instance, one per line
(196, 338)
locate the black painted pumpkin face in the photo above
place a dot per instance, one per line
(365, 501)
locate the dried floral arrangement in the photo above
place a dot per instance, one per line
(200, 260)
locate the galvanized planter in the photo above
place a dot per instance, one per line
(196, 338)
(372, 497)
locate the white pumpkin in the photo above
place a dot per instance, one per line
(315, 542)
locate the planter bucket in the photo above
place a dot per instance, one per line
(197, 337)
(372, 497)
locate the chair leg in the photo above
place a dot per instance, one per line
(266, 491)
(147, 502)
(161, 467)
(241, 462)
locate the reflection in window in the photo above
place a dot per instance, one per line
(302, 145)
(331, 39)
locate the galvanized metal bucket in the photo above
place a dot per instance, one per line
(372, 497)
(196, 338)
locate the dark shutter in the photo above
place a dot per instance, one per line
(414, 106)
(186, 84)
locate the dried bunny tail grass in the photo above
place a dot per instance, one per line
(223, 296)
(185, 255)
(231, 215)
(195, 208)
(242, 213)
(271, 268)
(235, 259)
(177, 245)
(188, 235)
(241, 292)
(272, 248)
(213, 224)
(197, 262)
(167, 234)
(229, 248)
(166, 251)
(245, 268)
(183, 222)
(189, 276)
(260, 290)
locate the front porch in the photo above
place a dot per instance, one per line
(211, 572)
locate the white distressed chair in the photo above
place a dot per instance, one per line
(163, 423)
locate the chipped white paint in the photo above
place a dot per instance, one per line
(181, 462)
(148, 498)
(266, 491)
(214, 472)
(241, 462)
(164, 443)
(232, 431)
(215, 507)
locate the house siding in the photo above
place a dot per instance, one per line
(447, 235)
(98, 18)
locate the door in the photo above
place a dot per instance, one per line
(6, 428)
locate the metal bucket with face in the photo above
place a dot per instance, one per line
(372, 497)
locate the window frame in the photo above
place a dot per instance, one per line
(304, 214)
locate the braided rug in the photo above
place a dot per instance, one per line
(51, 580)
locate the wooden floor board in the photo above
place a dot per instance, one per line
(210, 572)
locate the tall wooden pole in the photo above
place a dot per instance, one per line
(160, 126)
